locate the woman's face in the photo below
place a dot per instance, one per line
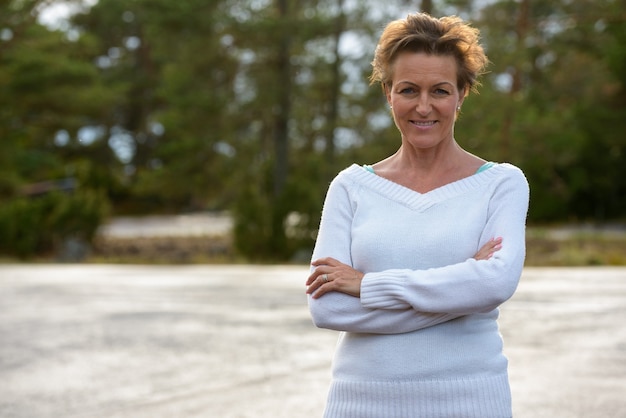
(424, 98)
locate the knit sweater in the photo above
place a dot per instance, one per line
(422, 340)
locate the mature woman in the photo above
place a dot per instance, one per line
(416, 252)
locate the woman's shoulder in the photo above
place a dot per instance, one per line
(356, 177)
(508, 175)
(508, 169)
(353, 173)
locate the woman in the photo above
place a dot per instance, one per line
(415, 253)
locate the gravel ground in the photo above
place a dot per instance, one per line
(106, 341)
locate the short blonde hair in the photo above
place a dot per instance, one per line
(421, 32)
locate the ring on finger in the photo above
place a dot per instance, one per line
(325, 278)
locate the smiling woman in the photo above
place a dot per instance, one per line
(426, 68)
(416, 252)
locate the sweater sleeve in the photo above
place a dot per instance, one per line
(341, 312)
(470, 286)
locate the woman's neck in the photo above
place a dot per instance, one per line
(424, 170)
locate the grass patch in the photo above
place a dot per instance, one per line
(164, 250)
(546, 248)
(543, 248)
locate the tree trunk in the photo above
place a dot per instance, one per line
(283, 105)
(335, 87)
(522, 26)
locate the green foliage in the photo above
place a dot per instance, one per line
(561, 115)
(41, 225)
(253, 107)
(252, 227)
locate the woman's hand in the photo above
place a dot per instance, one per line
(487, 250)
(331, 275)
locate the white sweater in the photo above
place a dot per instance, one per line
(422, 340)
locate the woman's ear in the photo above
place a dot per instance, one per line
(462, 95)
(387, 91)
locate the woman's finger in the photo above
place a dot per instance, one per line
(315, 274)
(326, 261)
(316, 281)
(486, 251)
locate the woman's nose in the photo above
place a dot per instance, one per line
(423, 105)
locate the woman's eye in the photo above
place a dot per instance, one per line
(407, 90)
(442, 92)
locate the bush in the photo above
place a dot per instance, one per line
(42, 225)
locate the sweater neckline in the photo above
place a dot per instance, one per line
(421, 201)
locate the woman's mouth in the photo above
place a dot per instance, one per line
(424, 123)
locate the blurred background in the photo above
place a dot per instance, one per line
(208, 130)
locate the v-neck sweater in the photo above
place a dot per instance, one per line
(422, 340)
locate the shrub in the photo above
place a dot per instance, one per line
(42, 225)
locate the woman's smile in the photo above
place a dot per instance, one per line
(423, 124)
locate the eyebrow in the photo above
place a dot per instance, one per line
(434, 85)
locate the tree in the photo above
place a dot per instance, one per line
(40, 110)
(277, 217)
(597, 177)
(255, 106)
(170, 63)
(261, 214)
(547, 72)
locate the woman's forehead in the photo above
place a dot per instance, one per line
(414, 66)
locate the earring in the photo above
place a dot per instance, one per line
(458, 108)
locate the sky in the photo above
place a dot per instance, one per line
(55, 15)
